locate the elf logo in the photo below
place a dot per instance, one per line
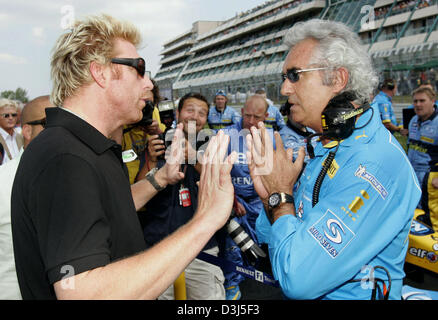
(421, 253)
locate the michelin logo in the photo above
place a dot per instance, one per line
(362, 173)
(331, 233)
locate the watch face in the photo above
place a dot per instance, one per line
(274, 200)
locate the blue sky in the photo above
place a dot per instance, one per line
(29, 29)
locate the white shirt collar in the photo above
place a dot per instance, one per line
(6, 135)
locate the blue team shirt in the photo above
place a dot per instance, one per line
(243, 184)
(423, 144)
(274, 119)
(362, 220)
(384, 102)
(219, 120)
(294, 139)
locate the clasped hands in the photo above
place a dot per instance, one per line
(271, 170)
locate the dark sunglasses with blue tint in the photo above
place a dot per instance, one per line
(137, 63)
(293, 74)
(38, 122)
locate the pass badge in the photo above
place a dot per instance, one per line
(184, 197)
(129, 155)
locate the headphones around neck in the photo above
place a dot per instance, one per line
(339, 117)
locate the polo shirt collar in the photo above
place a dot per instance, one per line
(432, 116)
(5, 134)
(89, 135)
(221, 111)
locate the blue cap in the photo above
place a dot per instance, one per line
(221, 93)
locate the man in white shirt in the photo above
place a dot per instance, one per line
(11, 140)
(33, 122)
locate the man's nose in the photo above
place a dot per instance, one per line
(252, 120)
(148, 85)
(287, 88)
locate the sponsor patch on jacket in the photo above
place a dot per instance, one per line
(362, 173)
(334, 167)
(426, 139)
(331, 233)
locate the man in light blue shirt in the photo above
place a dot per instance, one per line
(423, 132)
(274, 119)
(247, 202)
(349, 220)
(384, 102)
(221, 116)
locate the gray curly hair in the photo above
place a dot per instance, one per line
(338, 47)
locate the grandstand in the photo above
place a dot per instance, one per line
(245, 52)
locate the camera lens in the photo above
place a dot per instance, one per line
(242, 239)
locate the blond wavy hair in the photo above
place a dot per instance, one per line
(91, 39)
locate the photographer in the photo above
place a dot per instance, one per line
(176, 204)
(343, 233)
(135, 136)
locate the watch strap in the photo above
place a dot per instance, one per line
(286, 198)
(150, 176)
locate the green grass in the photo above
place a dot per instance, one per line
(402, 99)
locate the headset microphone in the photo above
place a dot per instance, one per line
(338, 123)
(339, 117)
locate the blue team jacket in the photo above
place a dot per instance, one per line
(219, 120)
(243, 184)
(423, 144)
(293, 138)
(274, 119)
(362, 220)
(384, 102)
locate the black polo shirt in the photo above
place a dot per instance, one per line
(72, 208)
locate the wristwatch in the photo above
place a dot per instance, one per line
(150, 176)
(276, 199)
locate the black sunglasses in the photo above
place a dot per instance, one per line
(38, 122)
(293, 74)
(7, 115)
(138, 63)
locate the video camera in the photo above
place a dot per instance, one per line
(146, 120)
(147, 111)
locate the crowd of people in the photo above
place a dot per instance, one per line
(400, 7)
(104, 199)
(420, 127)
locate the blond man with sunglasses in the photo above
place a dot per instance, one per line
(10, 138)
(75, 229)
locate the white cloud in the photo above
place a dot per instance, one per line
(38, 32)
(37, 24)
(9, 58)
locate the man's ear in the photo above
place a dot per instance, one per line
(340, 80)
(26, 131)
(97, 72)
